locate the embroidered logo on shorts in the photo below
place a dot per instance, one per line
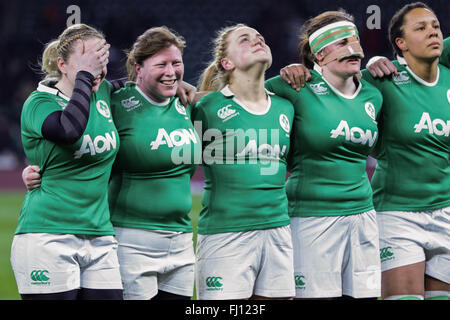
(386, 254)
(300, 282)
(40, 277)
(214, 284)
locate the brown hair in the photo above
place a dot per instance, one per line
(215, 77)
(63, 47)
(150, 43)
(395, 29)
(314, 24)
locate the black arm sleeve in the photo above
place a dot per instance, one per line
(118, 83)
(67, 126)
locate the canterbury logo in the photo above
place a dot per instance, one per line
(386, 253)
(225, 112)
(39, 275)
(214, 282)
(401, 78)
(318, 89)
(299, 281)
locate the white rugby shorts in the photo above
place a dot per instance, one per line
(336, 255)
(152, 260)
(51, 263)
(238, 265)
(410, 237)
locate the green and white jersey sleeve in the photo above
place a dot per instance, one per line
(73, 194)
(413, 172)
(150, 185)
(244, 159)
(332, 136)
(445, 57)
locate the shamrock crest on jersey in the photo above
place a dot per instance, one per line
(370, 110)
(180, 108)
(284, 122)
(103, 109)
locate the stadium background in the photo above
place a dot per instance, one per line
(25, 26)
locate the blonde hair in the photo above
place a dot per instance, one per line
(63, 47)
(215, 77)
(150, 43)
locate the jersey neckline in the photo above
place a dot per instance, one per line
(153, 102)
(43, 86)
(318, 69)
(402, 61)
(226, 91)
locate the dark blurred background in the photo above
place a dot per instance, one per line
(26, 26)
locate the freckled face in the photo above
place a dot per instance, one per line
(159, 74)
(246, 47)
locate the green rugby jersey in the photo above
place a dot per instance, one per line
(150, 185)
(73, 194)
(244, 159)
(332, 136)
(445, 57)
(413, 172)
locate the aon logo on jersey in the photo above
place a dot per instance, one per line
(100, 144)
(436, 126)
(175, 138)
(355, 134)
(265, 150)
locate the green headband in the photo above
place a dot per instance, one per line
(330, 34)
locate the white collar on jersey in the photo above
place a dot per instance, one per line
(159, 104)
(350, 97)
(402, 61)
(226, 91)
(44, 87)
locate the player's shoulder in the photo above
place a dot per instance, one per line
(106, 87)
(380, 82)
(444, 71)
(212, 101)
(282, 104)
(369, 88)
(277, 80)
(38, 96)
(125, 98)
(44, 95)
(279, 86)
(129, 88)
(176, 104)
